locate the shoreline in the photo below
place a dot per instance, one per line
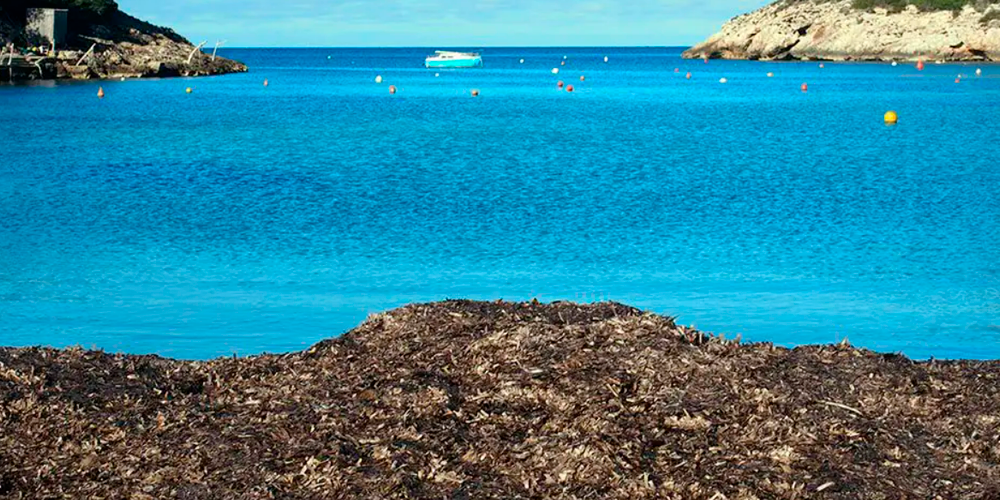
(499, 399)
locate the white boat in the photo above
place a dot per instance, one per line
(447, 59)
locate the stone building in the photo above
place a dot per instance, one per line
(48, 24)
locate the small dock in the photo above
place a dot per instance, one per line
(18, 67)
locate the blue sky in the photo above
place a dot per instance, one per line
(400, 23)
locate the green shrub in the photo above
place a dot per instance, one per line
(923, 5)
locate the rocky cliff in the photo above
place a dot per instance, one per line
(117, 45)
(838, 31)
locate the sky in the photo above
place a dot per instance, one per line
(440, 23)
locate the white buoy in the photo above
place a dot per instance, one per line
(555, 71)
(522, 61)
(378, 79)
(894, 63)
(605, 58)
(723, 80)
(437, 75)
(565, 57)
(979, 72)
(329, 57)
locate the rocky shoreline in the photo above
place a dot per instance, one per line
(121, 46)
(836, 31)
(502, 400)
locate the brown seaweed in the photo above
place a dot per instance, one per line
(471, 400)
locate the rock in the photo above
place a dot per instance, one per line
(126, 46)
(836, 31)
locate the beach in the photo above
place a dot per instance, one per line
(501, 400)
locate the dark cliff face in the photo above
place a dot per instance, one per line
(104, 42)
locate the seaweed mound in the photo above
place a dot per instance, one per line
(501, 400)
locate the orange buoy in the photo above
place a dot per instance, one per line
(392, 89)
(188, 90)
(100, 92)
(475, 92)
(265, 82)
(890, 117)
(569, 88)
(688, 76)
(958, 80)
(805, 87)
(560, 84)
(583, 78)
(920, 65)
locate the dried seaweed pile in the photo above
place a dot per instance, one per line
(488, 400)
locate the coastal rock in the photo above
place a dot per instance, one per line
(836, 31)
(119, 45)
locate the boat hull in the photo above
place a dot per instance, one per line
(474, 62)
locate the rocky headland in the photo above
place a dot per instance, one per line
(111, 45)
(502, 400)
(848, 31)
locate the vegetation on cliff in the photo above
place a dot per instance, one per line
(923, 5)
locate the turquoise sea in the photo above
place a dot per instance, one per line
(240, 218)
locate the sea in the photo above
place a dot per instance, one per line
(240, 218)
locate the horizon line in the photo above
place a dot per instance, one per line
(460, 46)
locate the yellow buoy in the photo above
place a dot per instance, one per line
(890, 117)
(188, 90)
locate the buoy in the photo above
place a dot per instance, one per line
(821, 65)
(706, 60)
(688, 76)
(605, 58)
(565, 57)
(378, 79)
(392, 89)
(723, 80)
(920, 65)
(265, 82)
(894, 64)
(769, 74)
(475, 92)
(123, 78)
(555, 71)
(583, 78)
(979, 72)
(677, 70)
(562, 63)
(437, 75)
(890, 117)
(569, 88)
(188, 90)
(805, 87)
(522, 61)
(958, 80)
(560, 84)
(100, 92)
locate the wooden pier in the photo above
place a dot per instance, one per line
(17, 67)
